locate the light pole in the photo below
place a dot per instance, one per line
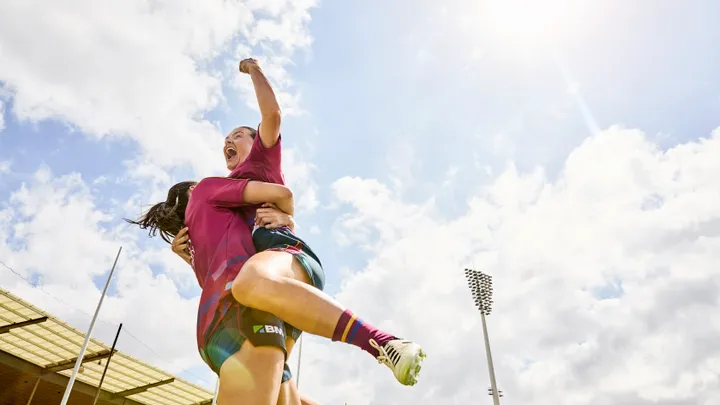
(79, 361)
(480, 285)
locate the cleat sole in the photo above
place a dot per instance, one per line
(413, 370)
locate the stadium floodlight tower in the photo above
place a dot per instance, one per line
(481, 288)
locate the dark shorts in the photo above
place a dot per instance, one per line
(314, 271)
(236, 326)
(283, 240)
(240, 323)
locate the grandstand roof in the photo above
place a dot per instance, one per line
(35, 344)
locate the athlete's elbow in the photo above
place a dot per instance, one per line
(279, 194)
(285, 201)
(284, 194)
(273, 116)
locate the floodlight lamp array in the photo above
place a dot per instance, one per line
(480, 285)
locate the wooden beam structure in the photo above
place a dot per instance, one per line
(8, 328)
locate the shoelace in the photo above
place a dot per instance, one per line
(389, 357)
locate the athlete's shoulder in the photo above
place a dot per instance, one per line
(259, 149)
(208, 182)
(203, 185)
(208, 186)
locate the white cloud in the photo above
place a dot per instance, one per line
(2, 115)
(5, 166)
(274, 68)
(606, 283)
(136, 69)
(402, 162)
(298, 173)
(53, 234)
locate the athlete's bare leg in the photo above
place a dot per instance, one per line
(276, 282)
(251, 376)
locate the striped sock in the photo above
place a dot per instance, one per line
(352, 330)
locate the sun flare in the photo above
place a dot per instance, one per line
(528, 21)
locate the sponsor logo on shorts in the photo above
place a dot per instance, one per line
(268, 329)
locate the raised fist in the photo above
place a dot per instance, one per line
(247, 64)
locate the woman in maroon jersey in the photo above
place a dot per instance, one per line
(275, 280)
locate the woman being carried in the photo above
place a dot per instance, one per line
(251, 373)
(282, 279)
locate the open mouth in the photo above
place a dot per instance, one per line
(230, 153)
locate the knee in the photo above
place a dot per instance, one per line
(251, 283)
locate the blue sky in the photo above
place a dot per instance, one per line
(428, 105)
(366, 89)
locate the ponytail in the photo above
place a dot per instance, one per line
(168, 217)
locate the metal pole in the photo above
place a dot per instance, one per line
(297, 380)
(32, 394)
(79, 360)
(107, 363)
(217, 389)
(491, 369)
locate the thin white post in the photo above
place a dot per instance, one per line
(217, 389)
(297, 379)
(79, 360)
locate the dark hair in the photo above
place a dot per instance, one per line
(253, 131)
(167, 217)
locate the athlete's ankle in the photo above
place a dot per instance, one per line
(352, 330)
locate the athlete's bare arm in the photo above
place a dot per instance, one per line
(258, 192)
(228, 192)
(269, 106)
